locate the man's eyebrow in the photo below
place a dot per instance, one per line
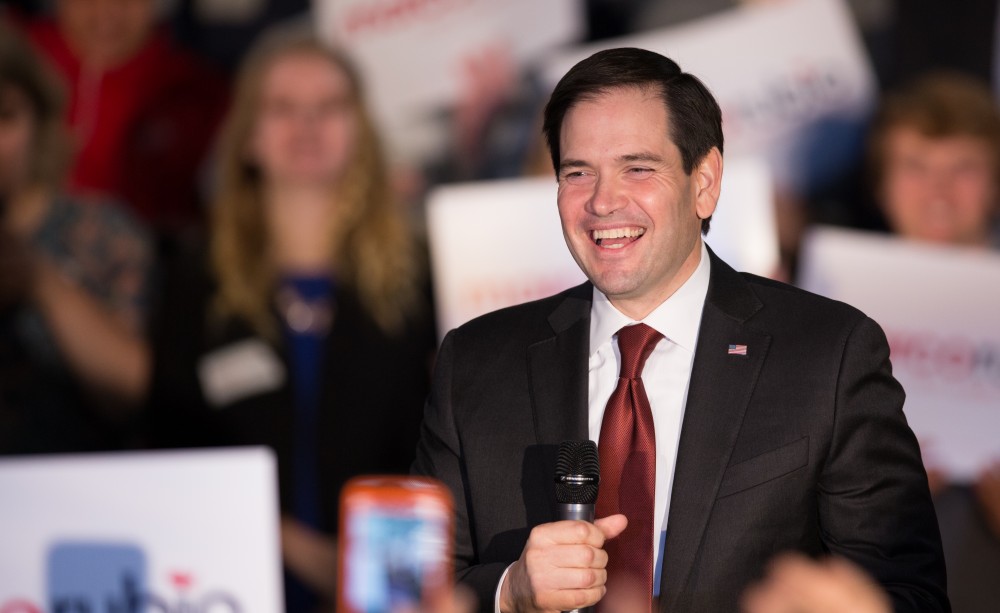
(627, 158)
(571, 163)
(640, 157)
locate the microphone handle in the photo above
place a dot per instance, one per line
(577, 511)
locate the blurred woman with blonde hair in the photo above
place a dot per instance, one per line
(305, 324)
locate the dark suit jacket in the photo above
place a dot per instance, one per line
(799, 445)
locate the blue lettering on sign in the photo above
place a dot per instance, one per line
(103, 577)
(86, 577)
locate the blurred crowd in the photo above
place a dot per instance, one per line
(203, 241)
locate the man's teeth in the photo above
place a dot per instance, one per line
(617, 233)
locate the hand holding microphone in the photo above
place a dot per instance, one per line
(562, 565)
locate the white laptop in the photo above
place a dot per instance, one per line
(136, 531)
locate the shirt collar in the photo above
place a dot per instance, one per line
(677, 318)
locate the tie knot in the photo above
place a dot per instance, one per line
(635, 343)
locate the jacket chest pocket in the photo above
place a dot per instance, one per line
(765, 467)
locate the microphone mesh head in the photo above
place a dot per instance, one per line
(578, 472)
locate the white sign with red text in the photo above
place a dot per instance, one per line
(776, 69)
(192, 531)
(499, 243)
(940, 308)
(412, 54)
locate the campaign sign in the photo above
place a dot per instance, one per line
(191, 532)
(499, 243)
(939, 308)
(412, 53)
(781, 72)
(494, 244)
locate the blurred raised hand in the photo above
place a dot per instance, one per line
(796, 584)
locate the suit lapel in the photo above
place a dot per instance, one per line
(720, 388)
(557, 371)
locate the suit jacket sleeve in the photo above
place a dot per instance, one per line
(874, 503)
(439, 455)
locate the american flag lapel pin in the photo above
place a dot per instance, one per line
(737, 350)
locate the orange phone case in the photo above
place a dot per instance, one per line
(396, 543)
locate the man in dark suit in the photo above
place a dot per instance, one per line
(778, 425)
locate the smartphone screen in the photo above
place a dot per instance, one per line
(396, 535)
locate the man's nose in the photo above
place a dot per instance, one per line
(607, 198)
(940, 183)
(308, 116)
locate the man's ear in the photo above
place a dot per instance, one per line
(707, 183)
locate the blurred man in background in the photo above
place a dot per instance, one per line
(934, 161)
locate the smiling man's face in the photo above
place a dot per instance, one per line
(630, 214)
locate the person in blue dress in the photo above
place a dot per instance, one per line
(303, 323)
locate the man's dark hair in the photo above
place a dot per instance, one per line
(693, 116)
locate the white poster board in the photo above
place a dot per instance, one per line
(494, 244)
(940, 308)
(498, 243)
(775, 69)
(184, 530)
(411, 52)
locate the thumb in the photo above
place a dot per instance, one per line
(612, 525)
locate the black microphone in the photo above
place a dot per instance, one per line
(578, 473)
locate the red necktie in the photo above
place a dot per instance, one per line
(627, 449)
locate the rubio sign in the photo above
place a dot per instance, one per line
(103, 577)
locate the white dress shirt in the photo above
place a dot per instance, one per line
(665, 376)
